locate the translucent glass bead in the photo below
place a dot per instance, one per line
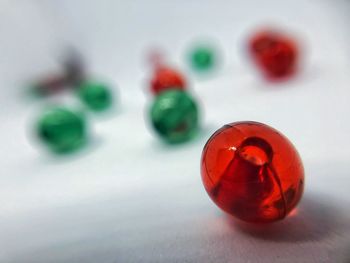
(61, 130)
(167, 78)
(174, 116)
(252, 172)
(274, 53)
(202, 58)
(95, 96)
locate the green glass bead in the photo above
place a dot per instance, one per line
(174, 116)
(62, 130)
(202, 58)
(95, 96)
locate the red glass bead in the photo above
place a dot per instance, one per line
(252, 172)
(275, 53)
(73, 74)
(50, 85)
(166, 78)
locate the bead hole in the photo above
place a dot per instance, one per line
(256, 151)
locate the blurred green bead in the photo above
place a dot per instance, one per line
(202, 58)
(174, 116)
(95, 96)
(62, 130)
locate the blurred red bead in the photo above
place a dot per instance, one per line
(50, 85)
(165, 78)
(274, 53)
(73, 74)
(252, 172)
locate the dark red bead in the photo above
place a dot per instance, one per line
(165, 78)
(252, 172)
(50, 85)
(274, 53)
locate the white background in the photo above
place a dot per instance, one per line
(129, 198)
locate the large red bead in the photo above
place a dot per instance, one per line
(274, 53)
(166, 78)
(252, 172)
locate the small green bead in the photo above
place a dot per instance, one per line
(62, 130)
(202, 58)
(95, 96)
(174, 116)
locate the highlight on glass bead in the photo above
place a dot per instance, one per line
(174, 116)
(167, 78)
(61, 130)
(95, 96)
(252, 171)
(276, 54)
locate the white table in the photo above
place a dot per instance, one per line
(128, 197)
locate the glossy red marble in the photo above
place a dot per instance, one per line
(274, 53)
(252, 172)
(165, 78)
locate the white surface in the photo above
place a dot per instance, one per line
(128, 198)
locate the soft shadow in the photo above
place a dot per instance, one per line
(303, 75)
(314, 219)
(90, 146)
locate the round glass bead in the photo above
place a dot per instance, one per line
(61, 130)
(202, 58)
(95, 96)
(167, 78)
(174, 116)
(274, 53)
(252, 172)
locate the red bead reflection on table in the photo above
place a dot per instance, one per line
(252, 172)
(165, 78)
(274, 53)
